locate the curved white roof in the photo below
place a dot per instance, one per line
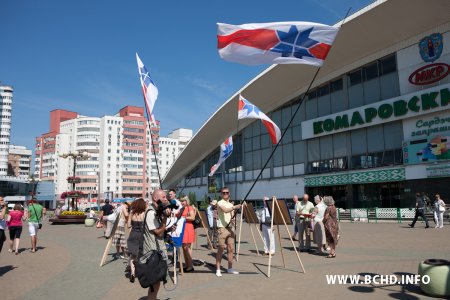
(373, 32)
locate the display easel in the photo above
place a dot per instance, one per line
(279, 214)
(250, 218)
(203, 217)
(111, 236)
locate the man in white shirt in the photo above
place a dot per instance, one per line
(303, 210)
(268, 234)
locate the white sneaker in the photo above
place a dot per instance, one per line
(218, 273)
(441, 226)
(232, 271)
(437, 226)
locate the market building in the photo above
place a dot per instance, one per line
(373, 130)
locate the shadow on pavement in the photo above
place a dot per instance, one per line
(407, 289)
(6, 269)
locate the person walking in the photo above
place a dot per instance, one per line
(303, 210)
(136, 223)
(36, 213)
(439, 208)
(420, 211)
(268, 233)
(226, 211)
(331, 225)
(106, 211)
(15, 228)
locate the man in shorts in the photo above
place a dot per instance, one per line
(226, 211)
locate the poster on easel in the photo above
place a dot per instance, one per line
(277, 218)
(177, 235)
(249, 214)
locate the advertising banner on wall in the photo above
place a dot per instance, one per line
(432, 148)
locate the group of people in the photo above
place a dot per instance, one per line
(148, 228)
(320, 220)
(422, 201)
(14, 219)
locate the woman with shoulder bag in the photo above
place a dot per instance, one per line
(439, 209)
(136, 223)
(189, 212)
(15, 228)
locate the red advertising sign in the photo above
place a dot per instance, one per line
(429, 74)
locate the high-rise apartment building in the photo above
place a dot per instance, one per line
(171, 146)
(19, 161)
(6, 96)
(46, 157)
(118, 149)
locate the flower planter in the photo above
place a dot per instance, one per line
(89, 222)
(71, 217)
(438, 271)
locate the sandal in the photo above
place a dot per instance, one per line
(331, 256)
(10, 250)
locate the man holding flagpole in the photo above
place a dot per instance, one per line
(226, 211)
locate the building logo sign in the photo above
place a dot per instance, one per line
(414, 104)
(430, 47)
(429, 74)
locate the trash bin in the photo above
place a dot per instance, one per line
(438, 271)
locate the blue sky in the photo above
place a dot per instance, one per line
(80, 55)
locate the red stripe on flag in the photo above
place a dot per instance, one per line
(271, 130)
(257, 38)
(320, 51)
(241, 104)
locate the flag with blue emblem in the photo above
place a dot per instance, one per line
(249, 111)
(226, 148)
(276, 43)
(149, 88)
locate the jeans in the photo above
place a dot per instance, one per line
(420, 212)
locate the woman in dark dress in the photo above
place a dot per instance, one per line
(136, 223)
(331, 224)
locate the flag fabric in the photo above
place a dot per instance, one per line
(226, 148)
(250, 111)
(149, 88)
(275, 43)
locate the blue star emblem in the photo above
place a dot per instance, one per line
(145, 77)
(250, 109)
(294, 43)
(227, 151)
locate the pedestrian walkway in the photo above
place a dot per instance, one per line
(66, 266)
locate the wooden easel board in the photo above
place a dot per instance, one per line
(249, 214)
(204, 218)
(277, 219)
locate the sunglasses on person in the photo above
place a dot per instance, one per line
(225, 193)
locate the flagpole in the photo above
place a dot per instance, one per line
(290, 122)
(154, 151)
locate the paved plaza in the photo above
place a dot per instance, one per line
(66, 266)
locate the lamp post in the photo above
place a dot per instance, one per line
(75, 155)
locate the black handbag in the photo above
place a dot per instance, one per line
(151, 267)
(197, 221)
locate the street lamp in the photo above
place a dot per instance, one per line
(75, 155)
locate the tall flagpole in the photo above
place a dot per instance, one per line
(153, 147)
(290, 122)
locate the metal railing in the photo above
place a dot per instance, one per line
(384, 214)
